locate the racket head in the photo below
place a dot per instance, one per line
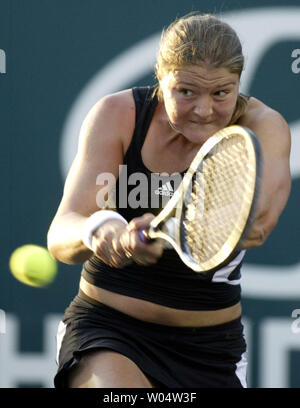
(218, 198)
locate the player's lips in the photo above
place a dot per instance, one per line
(200, 122)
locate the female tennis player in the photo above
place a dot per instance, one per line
(142, 318)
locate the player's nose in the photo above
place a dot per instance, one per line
(203, 107)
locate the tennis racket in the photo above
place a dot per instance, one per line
(212, 208)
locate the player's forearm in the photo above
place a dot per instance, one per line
(65, 239)
(259, 231)
(267, 216)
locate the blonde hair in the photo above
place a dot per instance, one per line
(201, 39)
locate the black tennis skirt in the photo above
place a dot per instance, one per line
(176, 357)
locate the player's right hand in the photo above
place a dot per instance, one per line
(118, 245)
(106, 244)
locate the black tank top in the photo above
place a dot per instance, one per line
(169, 282)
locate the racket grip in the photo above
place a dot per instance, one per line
(143, 234)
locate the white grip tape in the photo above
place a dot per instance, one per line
(94, 222)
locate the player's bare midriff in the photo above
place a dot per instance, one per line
(154, 313)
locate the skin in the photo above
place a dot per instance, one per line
(198, 101)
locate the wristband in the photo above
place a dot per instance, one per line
(94, 222)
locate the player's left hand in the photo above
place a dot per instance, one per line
(134, 248)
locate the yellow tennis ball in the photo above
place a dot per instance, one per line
(33, 265)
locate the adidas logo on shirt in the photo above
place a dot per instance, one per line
(165, 190)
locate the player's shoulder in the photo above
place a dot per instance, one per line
(268, 124)
(119, 103)
(120, 100)
(113, 112)
(259, 113)
(111, 120)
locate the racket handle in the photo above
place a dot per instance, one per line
(143, 234)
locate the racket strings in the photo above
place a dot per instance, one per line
(219, 190)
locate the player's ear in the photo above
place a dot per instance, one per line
(157, 72)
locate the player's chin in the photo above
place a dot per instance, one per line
(199, 134)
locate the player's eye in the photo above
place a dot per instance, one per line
(221, 93)
(185, 92)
